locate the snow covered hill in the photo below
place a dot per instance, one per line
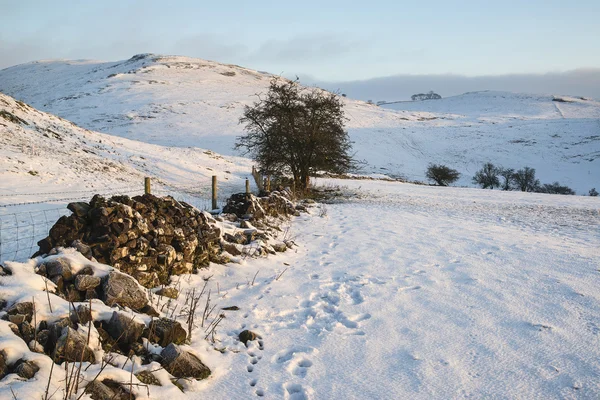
(180, 102)
(42, 153)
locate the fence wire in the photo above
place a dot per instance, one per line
(20, 230)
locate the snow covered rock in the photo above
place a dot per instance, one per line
(182, 364)
(164, 331)
(72, 347)
(123, 290)
(124, 329)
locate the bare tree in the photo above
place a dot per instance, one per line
(525, 180)
(487, 177)
(297, 131)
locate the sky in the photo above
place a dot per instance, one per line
(343, 43)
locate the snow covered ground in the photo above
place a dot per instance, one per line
(181, 102)
(406, 291)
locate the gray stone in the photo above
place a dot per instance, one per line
(81, 315)
(182, 364)
(83, 248)
(59, 267)
(72, 347)
(102, 391)
(124, 328)
(26, 369)
(80, 208)
(123, 290)
(86, 282)
(164, 331)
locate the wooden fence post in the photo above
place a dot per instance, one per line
(247, 189)
(147, 185)
(268, 183)
(214, 192)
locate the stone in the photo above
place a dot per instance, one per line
(81, 315)
(123, 290)
(279, 247)
(164, 331)
(84, 249)
(124, 329)
(182, 364)
(102, 391)
(232, 248)
(59, 267)
(80, 208)
(72, 347)
(86, 282)
(26, 369)
(148, 378)
(35, 347)
(169, 292)
(246, 336)
(87, 270)
(24, 309)
(3, 366)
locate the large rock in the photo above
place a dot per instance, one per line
(59, 267)
(86, 282)
(182, 364)
(124, 329)
(123, 290)
(26, 369)
(24, 309)
(107, 390)
(164, 331)
(72, 347)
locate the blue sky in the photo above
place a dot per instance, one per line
(318, 40)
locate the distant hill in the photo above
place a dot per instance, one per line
(187, 102)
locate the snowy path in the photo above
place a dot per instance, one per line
(385, 300)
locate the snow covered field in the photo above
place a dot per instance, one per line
(422, 292)
(407, 291)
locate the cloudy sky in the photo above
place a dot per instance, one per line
(379, 49)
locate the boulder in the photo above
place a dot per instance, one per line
(26, 369)
(164, 331)
(59, 267)
(182, 364)
(124, 329)
(102, 391)
(72, 347)
(86, 282)
(124, 291)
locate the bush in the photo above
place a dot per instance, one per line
(441, 174)
(487, 177)
(593, 192)
(555, 188)
(524, 180)
(425, 96)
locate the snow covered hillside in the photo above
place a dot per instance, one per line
(180, 102)
(42, 153)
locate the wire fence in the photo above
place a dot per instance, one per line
(28, 217)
